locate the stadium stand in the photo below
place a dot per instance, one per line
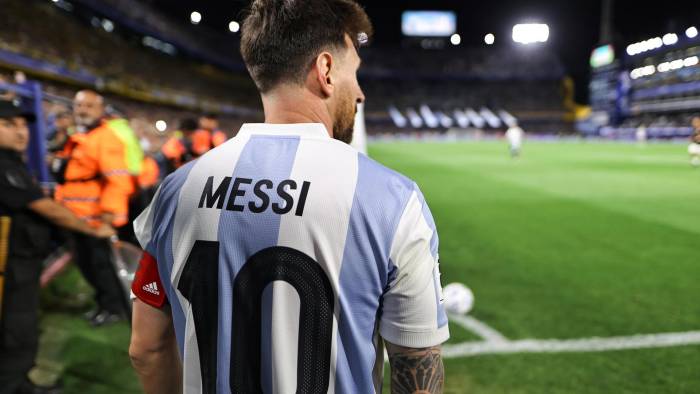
(117, 61)
(527, 85)
(660, 92)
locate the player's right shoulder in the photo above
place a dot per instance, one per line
(383, 186)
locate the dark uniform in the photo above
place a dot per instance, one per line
(28, 244)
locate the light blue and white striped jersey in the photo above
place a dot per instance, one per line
(285, 256)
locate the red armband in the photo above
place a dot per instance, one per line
(147, 286)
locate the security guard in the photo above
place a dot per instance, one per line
(26, 216)
(96, 184)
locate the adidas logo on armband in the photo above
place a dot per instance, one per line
(152, 288)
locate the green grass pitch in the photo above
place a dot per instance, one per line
(571, 240)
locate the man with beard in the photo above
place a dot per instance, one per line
(26, 219)
(95, 184)
(282, 260)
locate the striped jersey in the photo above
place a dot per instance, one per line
(286, 258)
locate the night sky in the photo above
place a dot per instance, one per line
(574, 25)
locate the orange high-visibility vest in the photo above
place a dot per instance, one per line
(201, 140)
(149, 173)
(97, 177)
(204, 140)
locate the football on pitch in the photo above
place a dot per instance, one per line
(459, 299)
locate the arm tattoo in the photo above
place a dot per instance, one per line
(417, 371)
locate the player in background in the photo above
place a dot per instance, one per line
(515, 135)
(283, 260)
(694, 147)
(641, 135)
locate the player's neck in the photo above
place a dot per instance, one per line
(286, 108)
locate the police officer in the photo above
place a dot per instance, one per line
(26, 218)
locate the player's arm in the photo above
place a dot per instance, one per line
(416, 370)
(153, 349)
(413, 322)
(62, 217)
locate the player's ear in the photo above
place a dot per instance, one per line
(323, 73)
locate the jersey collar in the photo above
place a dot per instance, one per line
(316, 130)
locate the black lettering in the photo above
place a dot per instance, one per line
(235, 192)
(302, 198)
(289, 202)
(265, 200)
(211, 197)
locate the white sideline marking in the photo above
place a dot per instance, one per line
(479, 328)
(496, 343)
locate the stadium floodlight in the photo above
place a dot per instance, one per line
(234, 27)
(108, 25)
(195, 17)
(691, 32)
(161, 126)
(670, 38)
(455, 39)
(676, 64)
(489, 39)
(529, 33)
(690, 61)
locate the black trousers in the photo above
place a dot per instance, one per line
(19, 322)
(94, 259)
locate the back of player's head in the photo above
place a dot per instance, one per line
(281, 38)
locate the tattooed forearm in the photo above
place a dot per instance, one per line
(416, 371)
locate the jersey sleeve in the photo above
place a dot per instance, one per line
(412, 311)
(147, 285)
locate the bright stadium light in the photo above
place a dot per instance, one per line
(195, 17)
(663, 67)
(455, 39)
(161, 126)
(108, 25)
(528, 33)
(691, 32)
(489, 39)
(234, 27)
(690, 61)
(670, 38)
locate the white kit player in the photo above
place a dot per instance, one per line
(514, 135)
(284, 260)
(694, 147)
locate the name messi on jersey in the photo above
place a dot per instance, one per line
(258, 199)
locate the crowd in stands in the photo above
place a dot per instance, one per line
(525, 82)
(117, 58)
(463, 63)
